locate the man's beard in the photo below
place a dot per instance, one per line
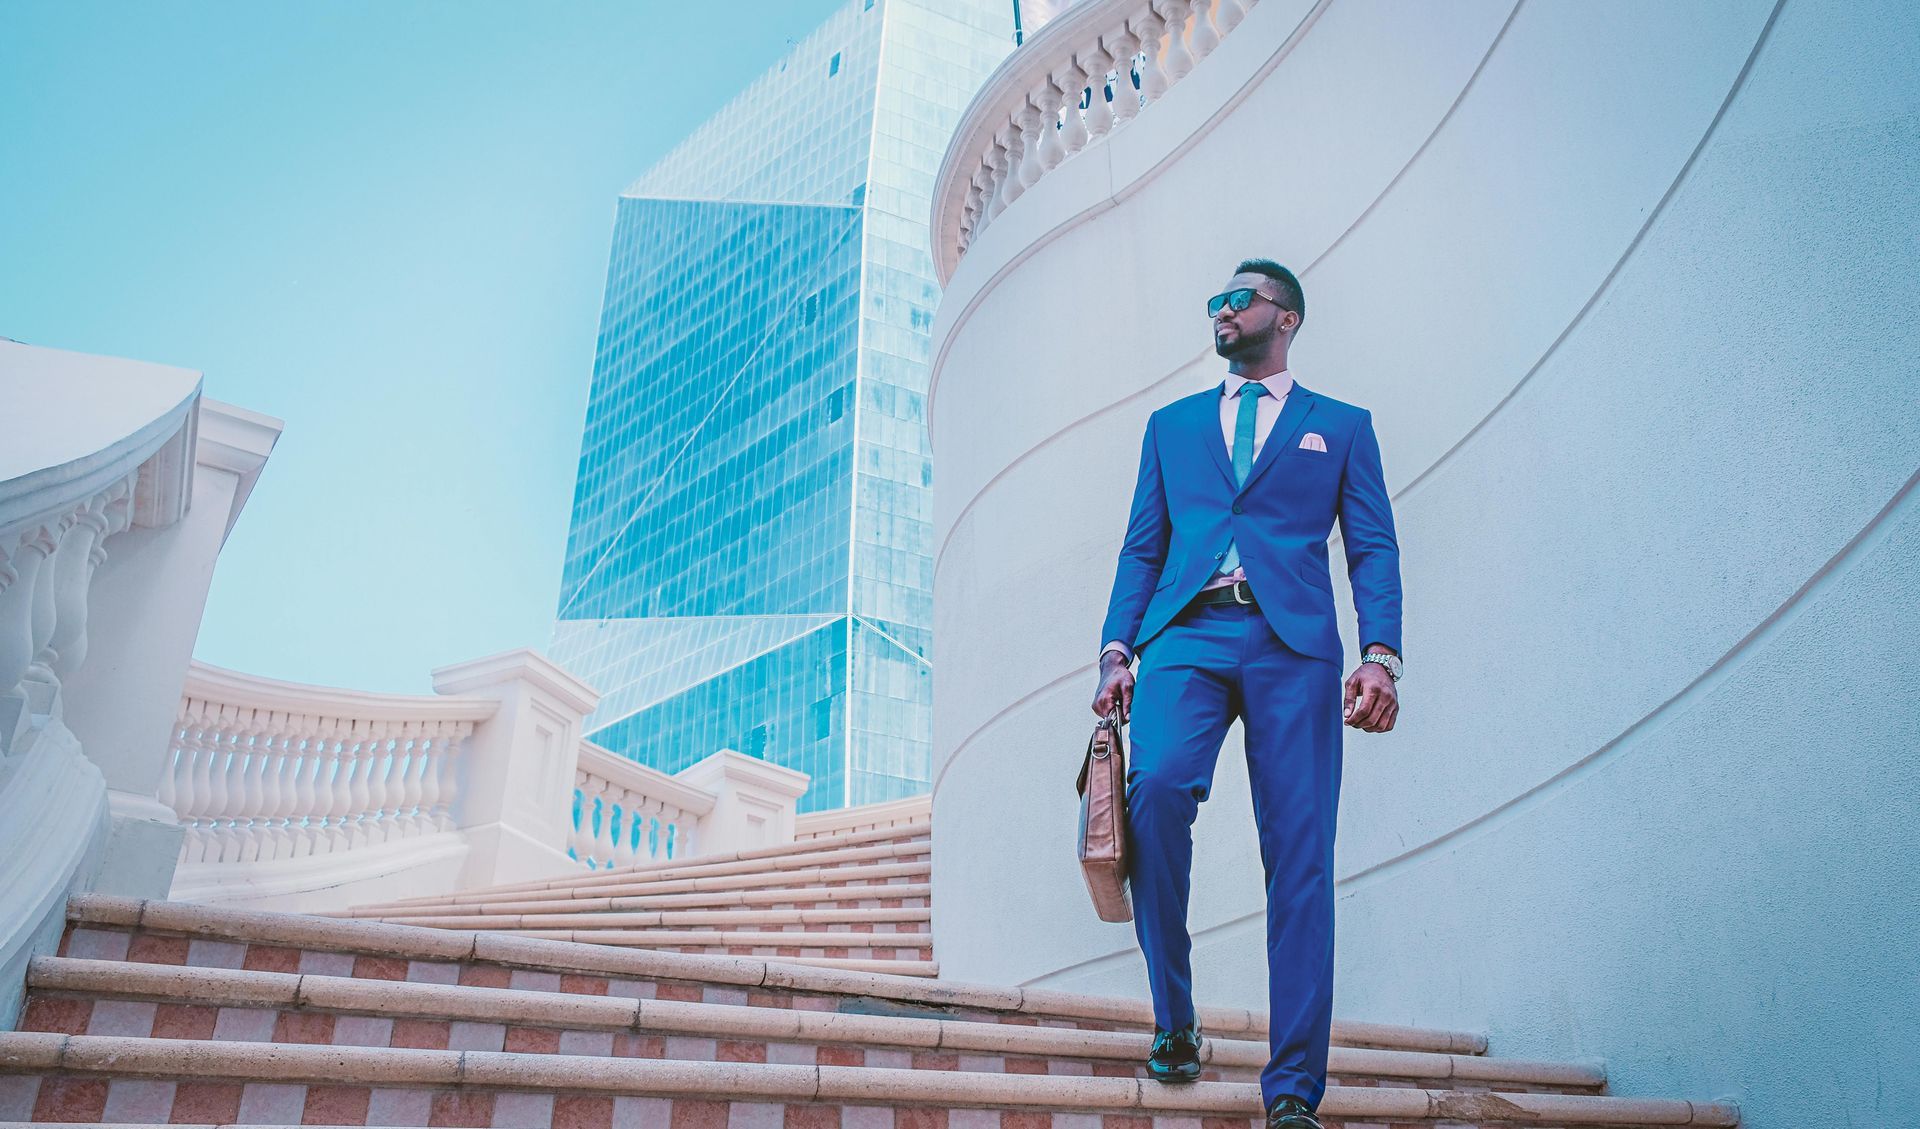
(1243, 343)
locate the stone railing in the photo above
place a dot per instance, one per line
(308, 798)
(867, 817)
(305, 797)
(119, 481)
(263, 770)
(1087, 73)
(626, 813)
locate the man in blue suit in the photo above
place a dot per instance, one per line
(1223, 593)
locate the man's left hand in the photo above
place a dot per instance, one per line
(1372, 703)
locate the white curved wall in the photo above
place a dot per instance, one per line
(1629, 289)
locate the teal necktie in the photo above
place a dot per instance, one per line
(1250, 394)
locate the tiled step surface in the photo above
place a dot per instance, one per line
(81, 1077)
(115, 998)
(162, 1011)
(110, 928)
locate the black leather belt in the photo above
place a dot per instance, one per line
(1240, 592)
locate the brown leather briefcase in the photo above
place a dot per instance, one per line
(1103, 821)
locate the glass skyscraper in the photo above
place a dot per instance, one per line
(750, 560)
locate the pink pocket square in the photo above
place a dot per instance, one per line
(1311, 441)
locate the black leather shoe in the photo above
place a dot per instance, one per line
(1176, 1055)
(1289, 1112)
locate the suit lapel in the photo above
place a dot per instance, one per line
(1285, 433)
(1206, 424)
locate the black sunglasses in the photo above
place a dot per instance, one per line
(1236, 300)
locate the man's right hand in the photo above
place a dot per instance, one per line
(1116, 686)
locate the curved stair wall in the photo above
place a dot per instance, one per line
(1627, 288)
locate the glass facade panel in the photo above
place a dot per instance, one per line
(750, 559)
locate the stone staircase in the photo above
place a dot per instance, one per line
(162, 1011)
(856, 901)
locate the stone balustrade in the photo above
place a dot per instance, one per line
(311, 798)
(47, 562)
(262, 770)
(1086, 74)
(625, 813)
(119, 482)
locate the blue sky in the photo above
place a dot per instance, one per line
(386, 223)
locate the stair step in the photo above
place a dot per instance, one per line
(836, 858)
(720, 938)
(903, 895)
(113, 928)
(114, 998)
(741, 918)
(87, 1077)
(866, 877)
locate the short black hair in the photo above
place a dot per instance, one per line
(1291, 296)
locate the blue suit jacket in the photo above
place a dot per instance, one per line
(1186, 508)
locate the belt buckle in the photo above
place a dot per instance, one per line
(1248, 600)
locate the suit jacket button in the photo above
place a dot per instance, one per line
(1238, 508)
(1221, 556)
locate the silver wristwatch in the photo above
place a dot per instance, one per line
(1391, 662)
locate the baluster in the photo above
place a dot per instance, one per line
(389, 737)
(251, 801)
(1099, 111)
(1203, 39)
(309, 788)
(412, 808)
(41, 684)
(1178, 60)
(1151, 26)
(632, 819)
(335, 784)
(1029, 120)
(433, 764)
(187, 798)
(580, 837)
(996, 162)
(1050, 98)
(684, 840)
(218, 791)
(80, 554)
(19, 575)
(361, 747)
(168, 792)
(1071, 82)
(276, 812)
(450, 783)
(1123, 46)
(975, 213)
(442, 775)
(1228, 14)
(1011, 186)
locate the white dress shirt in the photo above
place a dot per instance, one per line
(1266, 412)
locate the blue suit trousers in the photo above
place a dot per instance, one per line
(1212, 664)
